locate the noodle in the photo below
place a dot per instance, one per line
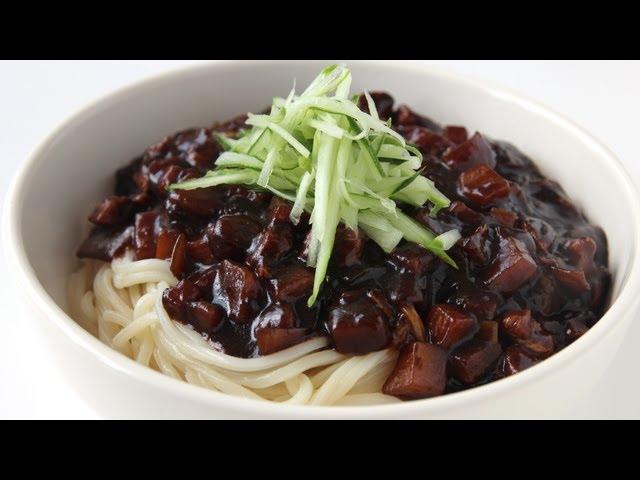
(121, 304)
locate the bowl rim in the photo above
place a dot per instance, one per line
(14, 250)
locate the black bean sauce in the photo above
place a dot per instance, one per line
(532, 272)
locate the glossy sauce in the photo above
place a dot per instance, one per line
(532, 274)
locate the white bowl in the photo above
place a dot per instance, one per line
(73, 168)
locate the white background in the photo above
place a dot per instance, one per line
(603, 97)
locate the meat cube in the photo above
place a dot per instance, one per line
(405, 116)
(106, 243)
(199, 250)
(488, 331)
(145, 235)
(193, 146)
(474, 360)
(539, 344)
(203, 280)
(279, 210)
(348, 246)
(203, 150)
(482, 186)
(201, 202)
(237, 290)
(232, 235)
(268, 247)
(291, 282)
(111, 211)
(481, 304)
(275, 328)
(581, 252)
(275, 315)
(545, 297)
(178, 264)
(574, 280)
(464, 213)
(511, 267)
(359, 322)
(472, 153)
(456, 134)
(503, 217)
(476, 245)
(175, 299)
(427, 140)
(420, 372)
(449, 326)
(543, 234)
(515, 360)
(517, 324)
(168, 177)
(141, 181)
(204, 316)
(271, 340)
(407, 281)
(166, 242)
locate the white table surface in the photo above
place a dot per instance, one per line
(603, 97)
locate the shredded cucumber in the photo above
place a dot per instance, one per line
(225, 142)
(301, 198)
(340, 164)
(379, 230)
(267, 168)
(225, 177)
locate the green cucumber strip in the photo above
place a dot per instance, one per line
(301, 197)
(267, 168)
(364, 202)
(239, 177)
(261, 143)
(387, 238)
(375, 220)
(411, 229)
(373, 111)
(241, 160)
(287, 196)
(325, 210)
(333, 160)
(345, 107)
(278, 130)
(225, 142)
(413, 149)
(349, 216)
(448, 239)
(388, 204)
(342, 161)
(327, 148)
(342, 91)
(416, 233)
(366, 148)
(325, 80)
(406, 182)
(325, 127)
(377, 142)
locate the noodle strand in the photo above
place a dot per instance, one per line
(121, 303)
